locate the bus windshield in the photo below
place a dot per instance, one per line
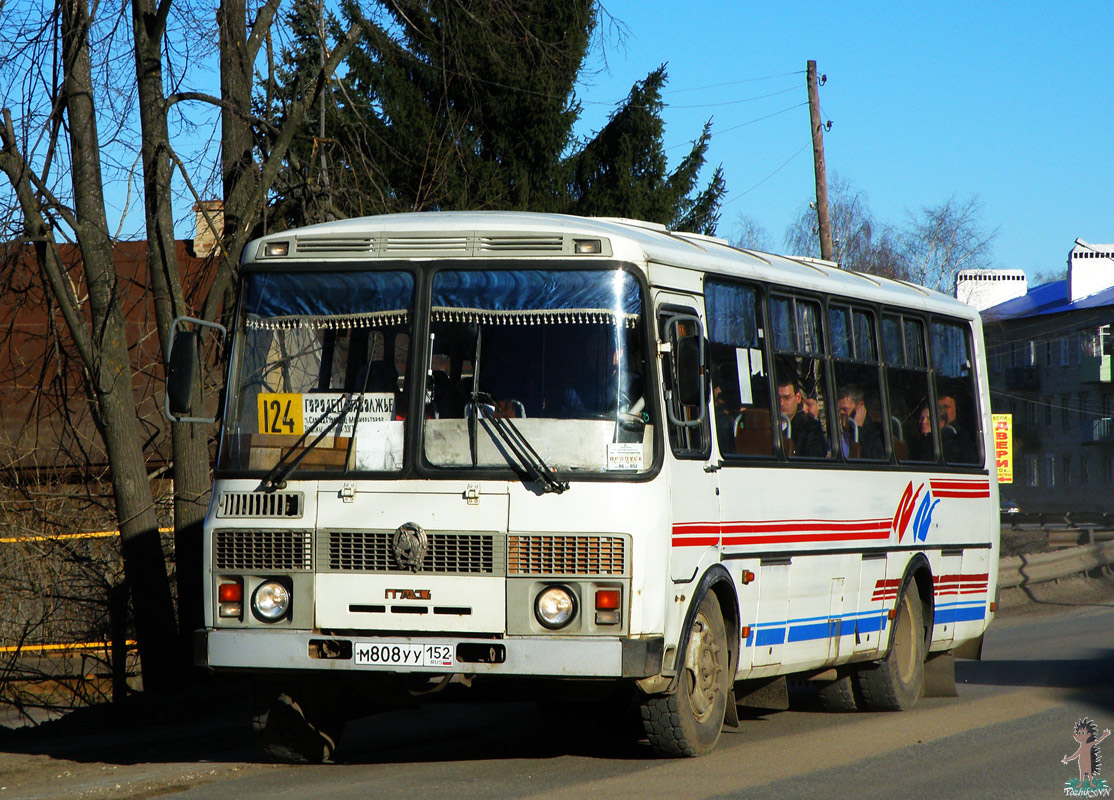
(320, 375)
(321, 359)
(558, 353)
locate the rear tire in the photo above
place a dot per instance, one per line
(896, 682)
(687, 721)
(298, 731)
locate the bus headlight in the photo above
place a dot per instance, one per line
(270, 601)
(555, 607)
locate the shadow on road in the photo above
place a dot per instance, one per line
(198, 730)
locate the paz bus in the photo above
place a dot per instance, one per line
(494, 449)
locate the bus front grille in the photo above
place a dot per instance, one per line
(263, 550)
(566, 555)
(374, 551)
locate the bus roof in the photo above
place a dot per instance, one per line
(487, 234)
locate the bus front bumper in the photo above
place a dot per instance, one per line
(548, 656)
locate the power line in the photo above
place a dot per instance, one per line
(741, 125)
(772, 174)
(734, 83)
(737, 102)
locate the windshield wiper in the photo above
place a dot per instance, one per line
(276, 477)
(484, 405)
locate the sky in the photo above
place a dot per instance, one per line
(1012, 102)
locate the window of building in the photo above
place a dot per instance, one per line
(1048, 412)
(1048, 348)
(1032, 474)
(1065, 350)
(1050, 471)
(1065, 405)
(1067, 470)
(1085, 471)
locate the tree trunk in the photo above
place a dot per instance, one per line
(189, 441)
(110, 370)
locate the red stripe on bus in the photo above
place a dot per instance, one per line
(694, 541)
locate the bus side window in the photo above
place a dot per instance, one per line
(860, 428)
(737, 365)
(802, 399)
(912, 414)
(956, 404)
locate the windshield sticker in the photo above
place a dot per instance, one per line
(311, 414)
(624, 456)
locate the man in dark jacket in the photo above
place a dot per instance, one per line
(798, 426)
(859, 435)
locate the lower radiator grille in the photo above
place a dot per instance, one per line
(260, 550)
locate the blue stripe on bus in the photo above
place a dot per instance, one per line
(960, 614)
(811, 628)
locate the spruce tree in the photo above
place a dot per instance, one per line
(622, 172)
(470, 104)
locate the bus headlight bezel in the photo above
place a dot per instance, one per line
(555, 606)
(272, 600)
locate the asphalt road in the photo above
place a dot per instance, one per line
(1045, 665)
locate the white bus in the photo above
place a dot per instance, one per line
(467, 448)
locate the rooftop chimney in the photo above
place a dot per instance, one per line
(209, 227)
(1090, 269)
(985, 288)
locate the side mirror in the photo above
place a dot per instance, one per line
(183, 368)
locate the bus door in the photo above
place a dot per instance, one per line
(693, 483)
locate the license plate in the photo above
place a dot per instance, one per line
(368, 654)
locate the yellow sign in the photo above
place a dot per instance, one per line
(280, 413)
(1003, 446)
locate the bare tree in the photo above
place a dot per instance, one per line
(95, 322)
(59, 125)
(860, 242)
(943, 239)
(749, 234)
(929, 249)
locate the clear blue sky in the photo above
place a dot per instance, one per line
(1010, 101)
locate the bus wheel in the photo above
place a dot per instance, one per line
(687, 720)
(298, 730)
(838, 695)
(896, 682)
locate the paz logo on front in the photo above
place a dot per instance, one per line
(921, 519)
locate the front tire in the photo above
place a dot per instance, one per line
(687, 721)
(896, 682)
(298, 729)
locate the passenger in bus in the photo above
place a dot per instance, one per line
(921, 447)
(726, 415)
(859, 435)
(959, 447)
(803, 430)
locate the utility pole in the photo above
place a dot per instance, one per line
(823, 221)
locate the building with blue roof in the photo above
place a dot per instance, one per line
(1050, 356)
